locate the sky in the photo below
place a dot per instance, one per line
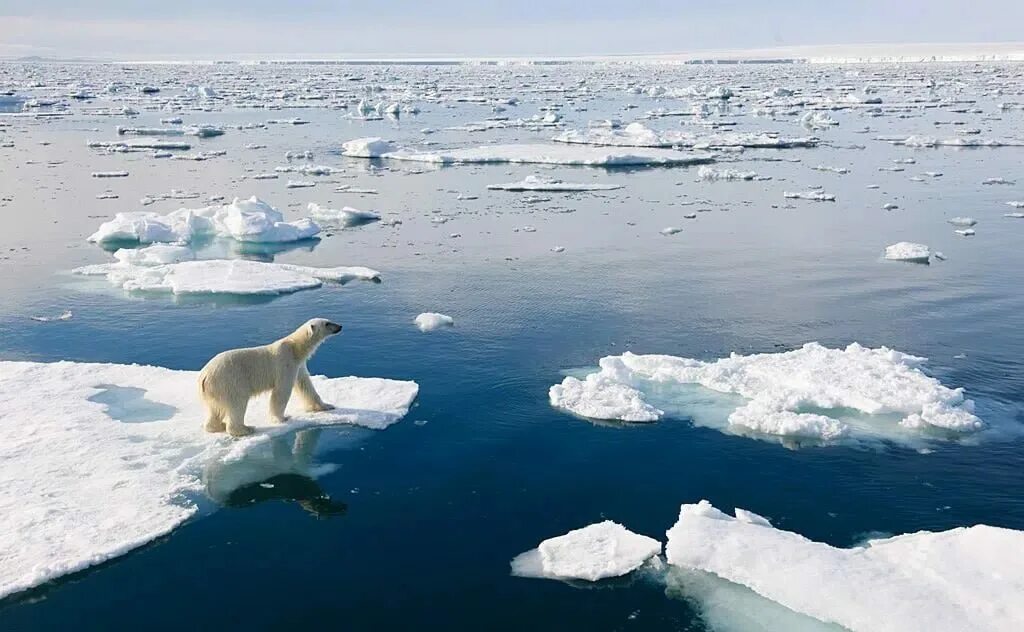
(226, 29)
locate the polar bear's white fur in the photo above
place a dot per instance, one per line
(232, 378)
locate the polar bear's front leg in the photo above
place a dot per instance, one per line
(304, 389)
(279, 401)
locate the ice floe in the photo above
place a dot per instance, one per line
(344, 217)
(908, 251)
(100, 459)
(542, 183)
(712, 174)
(598, 551)
(815, 196)
(251, 220)
(968, 578)
(429, 321)
(639, 135)
(812, 392)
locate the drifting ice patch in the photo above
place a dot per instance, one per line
(787, 394)
(251, 220)
(928, 141)
(908, 251)
(372, 147)
(69, 467)
(712, 174)
(345, 217)
(219, 276)
(429, 321)
(815, 196)
(541, 183)
(599, 551)
(535, 153)
(639, 135)
(962, 579)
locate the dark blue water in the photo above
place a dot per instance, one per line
(416, 526)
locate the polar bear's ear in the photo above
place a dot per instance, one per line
(312, 328)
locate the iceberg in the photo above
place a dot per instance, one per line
(813, 392)
(908, 251)
(541, 183)
(116, 455)
(598, 551)
(429, 321)
(968, 578)
(251, 220)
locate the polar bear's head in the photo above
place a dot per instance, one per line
(321, 328)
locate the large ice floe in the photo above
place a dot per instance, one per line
(639, 135)
(969, 578)
(99, 459)
(251, 220)
(598, 551)
(552, 185)
(166, 268)
(813, 392)
(528, 153)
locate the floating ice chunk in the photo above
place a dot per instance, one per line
(639, 135)
(429, 321)
(552, 154)
(961, 579)
(965, 232)
(1016, 215)
(110, 174)
(908, 251)
(251, 220)
(372, 147)
(962, 221)
(1015, 204)
(671, 230)
(816, 196)
(220, 276)
(116, 455)
(997, 181)
(541, 183)
(889, 206)
(66, 315)
(928, 141)
(712, 174)
(839, 170)
(598, 551)
(345, 217)
(817, 119)
(784, 391)
(299, 184)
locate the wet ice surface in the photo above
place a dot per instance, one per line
(552, 277)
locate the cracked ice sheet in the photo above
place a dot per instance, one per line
(812, 393)
(968, 578)
(99, 459)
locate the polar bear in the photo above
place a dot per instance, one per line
(232, 378)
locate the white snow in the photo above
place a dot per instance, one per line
(174, 272)
(429, 321)
(552, 154)
(542, 183)
(251, 220)
(968, 578)
(345, 217)
(908, 251)
(99, 459)
(784, 392)
(598, 551)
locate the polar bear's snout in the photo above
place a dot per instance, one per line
(333, 328)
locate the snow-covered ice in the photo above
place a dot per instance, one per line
(251, 220)
(345, 217)
(968, 578)
(799, 393)
(542, 183)
(815, 196)
(598, 551)
(639, 135)
(429, 321)
(712, 174)
(99, 459)
(908, 251)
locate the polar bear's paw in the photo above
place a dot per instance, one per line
(319, 408)
(240, 431)
(214, 426)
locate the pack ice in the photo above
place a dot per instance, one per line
(99, 459)
(787, 394)
(166, 268)
(969, 578)
(639, 135)
(251, 220)
(598, 551)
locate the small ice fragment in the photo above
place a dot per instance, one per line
(49, 319)
(908, 251)
(429, 321)
(110, 174)
(671, 230)
(595, 552)
(966, 222)
(816, 196)
(965, 232)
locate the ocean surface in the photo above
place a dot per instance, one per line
(413, 527)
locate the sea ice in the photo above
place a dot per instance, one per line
(968, 578)
(345, 217)
(962, 221)
(542, 183)
(598, 551)
(367, 147)
(251, 220)
(99, 459)
(639, 135)
(712, 174)
(816, 196)
(908, 251)
(784, 392)
(110, 174)
(429, 321)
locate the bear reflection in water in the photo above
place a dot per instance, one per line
(282, 469)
